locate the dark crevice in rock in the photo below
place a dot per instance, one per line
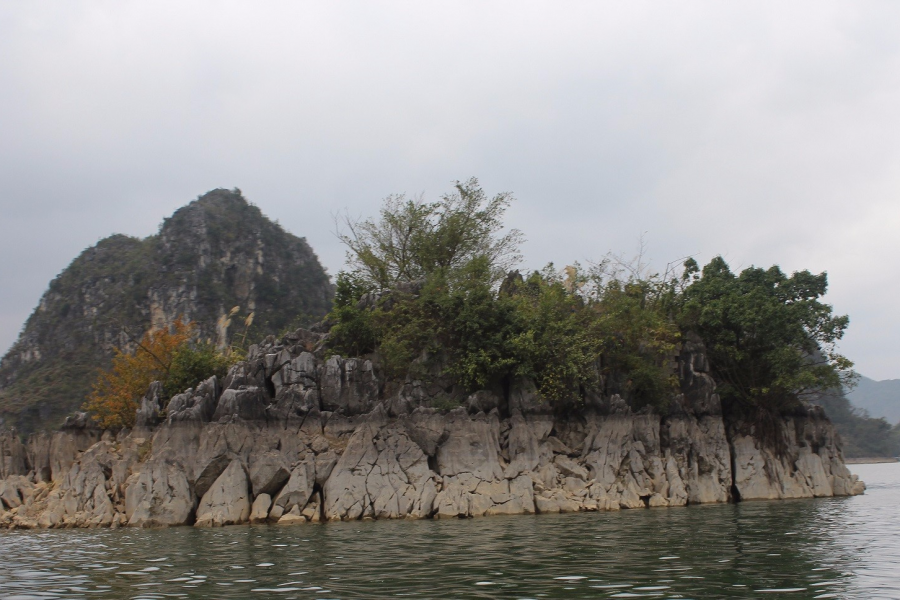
(735, 493)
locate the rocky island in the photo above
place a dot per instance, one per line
(444, 385)
(290, 438)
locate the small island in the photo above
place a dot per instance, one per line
(443, 383)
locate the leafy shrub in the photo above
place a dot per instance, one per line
(165, 355)
(192, 364)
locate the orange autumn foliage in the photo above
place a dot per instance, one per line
(117, 391)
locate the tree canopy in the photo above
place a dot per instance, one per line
(413, 239)
(605, 329)
(770, 340)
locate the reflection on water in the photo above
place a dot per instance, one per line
(825, 548)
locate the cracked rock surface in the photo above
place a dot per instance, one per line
(288, 438)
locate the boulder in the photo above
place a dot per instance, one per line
(248, 373)
(14, 490)
(299, 487)
(83, 499)
(301, 370)
(482, 401)
(247, 403)
(259, 511)
(268, 472)
(228, 500)
(159, 496)
(569, 468)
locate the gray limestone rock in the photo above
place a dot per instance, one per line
(348, 385)
(364, 459)
(148, 412)
(14, 490)
(159, 496)
(249, 373)
(425, 427)
(228, 500)
(796, 471)
(525, 399)
(52, 454)
(13, 455)
(301, 370)
(471, 446)
(76, 421)
(523, 447)
(268, 472)
(259, 511)
(569, 468)
(196, 406)
(558, 446)
(295, 384)
(208, 471)
(84, 499)
(381, 474)
(325, 463)
(482, 401)
(247, 403)
(299, 488)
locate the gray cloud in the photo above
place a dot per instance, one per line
(764, 132)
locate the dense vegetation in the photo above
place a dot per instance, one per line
(428, 283)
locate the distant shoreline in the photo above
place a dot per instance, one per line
(870, 460)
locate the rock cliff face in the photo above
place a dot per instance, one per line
(215, 253)
(288, 438)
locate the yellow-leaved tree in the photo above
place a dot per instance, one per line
(117, 391)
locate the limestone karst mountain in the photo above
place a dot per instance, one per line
(217, 252)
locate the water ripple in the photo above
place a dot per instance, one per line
(825, 548)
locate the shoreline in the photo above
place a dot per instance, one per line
(872, 460)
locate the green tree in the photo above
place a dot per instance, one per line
(413, 240)
(352, 330)
(421, 264)
(770, 340)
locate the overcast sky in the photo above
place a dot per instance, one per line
(765, 132)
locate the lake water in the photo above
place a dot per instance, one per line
(822, 548)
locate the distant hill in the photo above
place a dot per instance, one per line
(878, 398)
(868, 417)
(863, 436)
(217, 252)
